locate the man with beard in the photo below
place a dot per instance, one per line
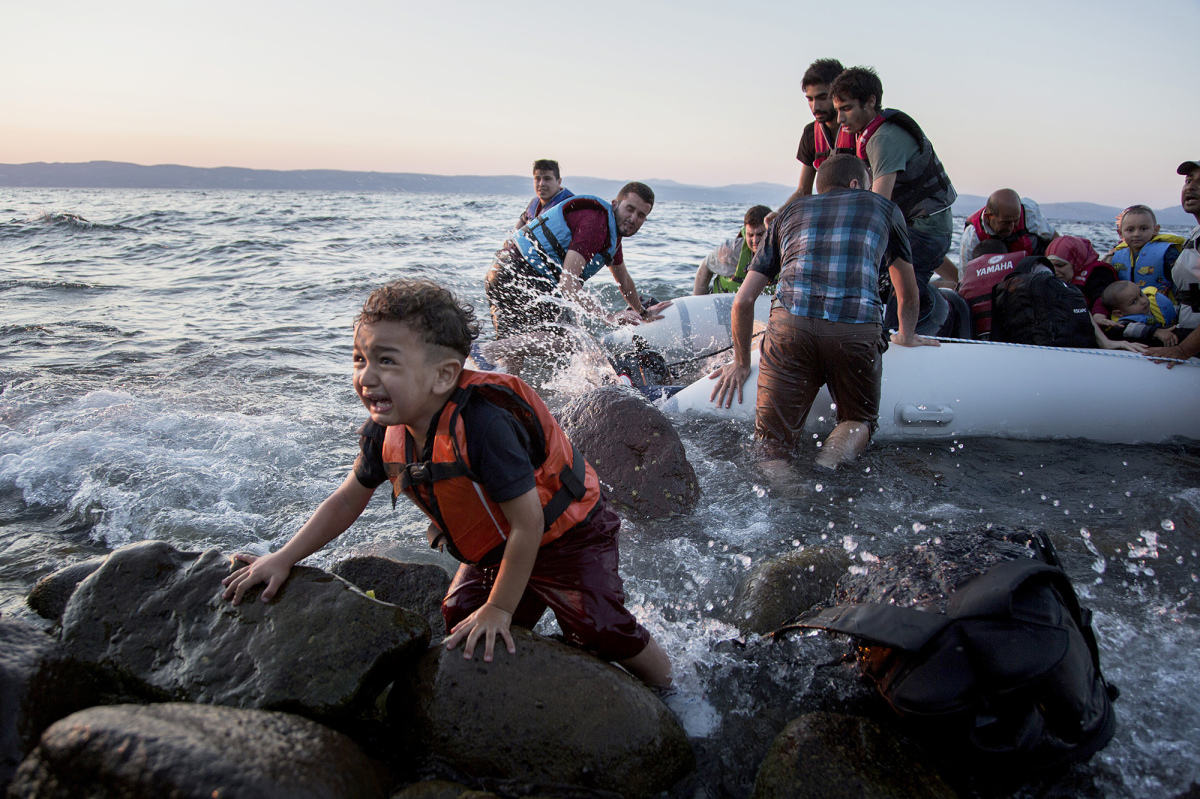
(1186, 272)
(823, 136)
(548, 260)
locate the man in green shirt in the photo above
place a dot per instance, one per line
(906, 170)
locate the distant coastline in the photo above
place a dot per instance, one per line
(120, 175)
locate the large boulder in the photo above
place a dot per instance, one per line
(416, 586)
(195, 752)
(832, 756)
(50, 596)
(636, 452)
(152, 621)
(779, 589)
(36, 689)
(548, 714)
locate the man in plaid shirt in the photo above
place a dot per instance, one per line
(826, 251)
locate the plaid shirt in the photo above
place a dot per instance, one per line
(826, 250)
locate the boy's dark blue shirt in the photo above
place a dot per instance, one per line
(498, 448)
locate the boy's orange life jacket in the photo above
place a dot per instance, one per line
(471, 526)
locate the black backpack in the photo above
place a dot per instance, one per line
(1036, 307)
(1007, 680)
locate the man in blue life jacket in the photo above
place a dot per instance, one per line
(547, 188)
(548, 260)
(906, 170)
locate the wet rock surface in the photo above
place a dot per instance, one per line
(548, 714)
(633, 447)
(24, 654)
(419, 587)
(151, 620)
(780, 589)
(50, 596)
(829, 755)
(194, 752)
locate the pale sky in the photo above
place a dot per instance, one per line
(1094, 101)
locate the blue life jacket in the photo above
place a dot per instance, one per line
(1149, 269)
(531, 210)
(544, 241)
(1162, 310)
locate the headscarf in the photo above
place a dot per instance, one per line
(1079, 253)
(1076, 251)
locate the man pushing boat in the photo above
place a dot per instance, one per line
(825, 250)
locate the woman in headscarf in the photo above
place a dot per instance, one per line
(1076, 262)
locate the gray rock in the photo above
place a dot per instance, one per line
(24, 652)
(152, 620)
(548, 714)
(195, 752)
(49, 597)
(831, 756)
(419, 587)
(634, 449)
(779, 589)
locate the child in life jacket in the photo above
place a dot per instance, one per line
(505, 491)
(1145, 256)
(1144, 315)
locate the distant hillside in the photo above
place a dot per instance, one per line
(118, 175)
(967, 204)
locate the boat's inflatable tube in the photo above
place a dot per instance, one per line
(980, 388)
(691, 328)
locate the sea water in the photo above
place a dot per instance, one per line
(175, 365)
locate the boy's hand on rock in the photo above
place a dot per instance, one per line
(269, 569)
(486, 621)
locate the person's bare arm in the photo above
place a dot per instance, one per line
(1105, 343)
(702, 281)
(883, 185)
(808, 176)
(732, 376)
(332, 518)
(572, 288)
(908, 304)
(1188, 348)
(524, 515)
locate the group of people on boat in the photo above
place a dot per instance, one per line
(1017, 279)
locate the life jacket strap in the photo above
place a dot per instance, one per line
(572, 489)
(416, 474)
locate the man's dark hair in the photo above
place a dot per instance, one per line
(547, 165)
(858, 83)
(640, 189)
(823, 70)
(755, 216)
(430, 310)
(838, 170)
(988, 247)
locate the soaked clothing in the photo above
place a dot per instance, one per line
(827, 250)
(575, 575)
(799, 355)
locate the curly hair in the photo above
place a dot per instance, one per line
(428, 308)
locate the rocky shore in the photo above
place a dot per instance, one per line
(148, 684)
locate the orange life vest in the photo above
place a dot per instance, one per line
(471, 526)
